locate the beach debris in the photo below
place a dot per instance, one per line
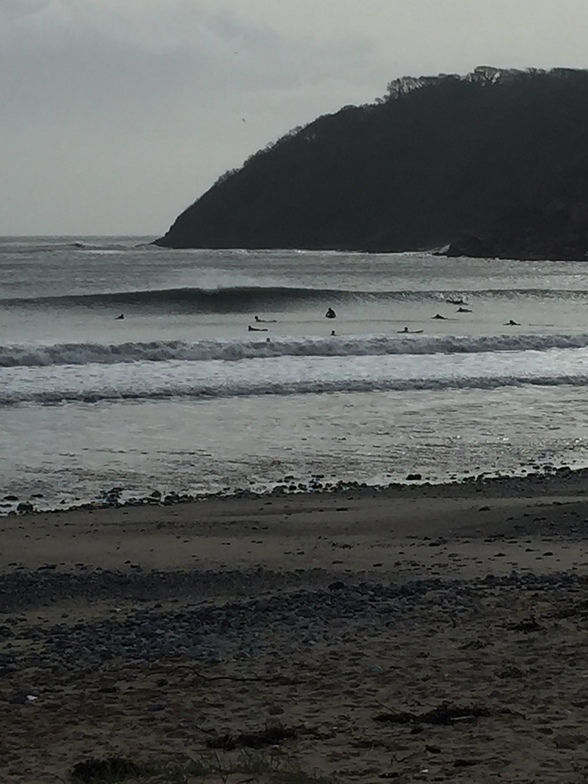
(272, 735)
(445, 714)
(526, 625)
(111, 769)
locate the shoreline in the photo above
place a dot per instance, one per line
(286, 531)
(119, 496)
(151, 631)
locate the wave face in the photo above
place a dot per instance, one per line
(243, 299)
(216, 300)
(234, 350)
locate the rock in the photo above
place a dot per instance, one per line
(110, 769)
(158, 706)
(25, 507)
(18, 699)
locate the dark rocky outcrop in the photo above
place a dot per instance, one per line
(558, 230)
(497, 158)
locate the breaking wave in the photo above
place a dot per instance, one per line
(234, 350)
(75, 246)
(243, 299)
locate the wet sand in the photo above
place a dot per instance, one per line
(152, 631)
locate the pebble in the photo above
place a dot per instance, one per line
(237, 629)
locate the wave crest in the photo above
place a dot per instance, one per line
(234, 350)
(248, 299)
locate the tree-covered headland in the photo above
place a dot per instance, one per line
(494, 163)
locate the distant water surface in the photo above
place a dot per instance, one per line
(180, 395)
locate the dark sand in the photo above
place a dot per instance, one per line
(146, 631)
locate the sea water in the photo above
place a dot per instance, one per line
(181, 395)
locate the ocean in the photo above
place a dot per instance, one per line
(180, 395)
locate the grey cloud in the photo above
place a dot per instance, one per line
(118, 113)
(128, 125)
(15, 9)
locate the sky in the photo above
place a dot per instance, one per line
(115, 115)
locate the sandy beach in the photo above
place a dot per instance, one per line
(413, 633)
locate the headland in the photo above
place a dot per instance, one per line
(492, 164)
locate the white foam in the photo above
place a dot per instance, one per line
(97, 388)
(234, 350)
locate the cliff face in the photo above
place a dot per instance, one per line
(496, 158)
(558, 231)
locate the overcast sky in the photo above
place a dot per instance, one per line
(115, 115)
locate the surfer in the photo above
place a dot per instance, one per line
(463, 310)
(512, 323)
(256, 329)
(118, 318)
(407, 331)
(330, 313)
(439, 316)
(264, 321)
(333, 333)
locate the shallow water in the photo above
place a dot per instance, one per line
(180, 395)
